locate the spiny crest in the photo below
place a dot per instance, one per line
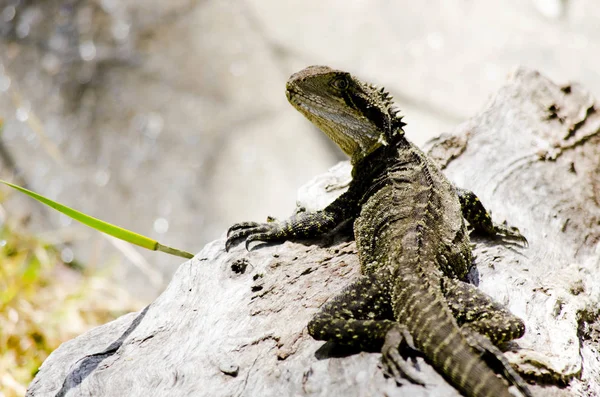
(397, 122)
(385, 96)
(388, 101)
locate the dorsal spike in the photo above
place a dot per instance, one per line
(397, 122)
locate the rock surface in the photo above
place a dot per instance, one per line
(234, 324)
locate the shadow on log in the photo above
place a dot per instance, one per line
(234, 324)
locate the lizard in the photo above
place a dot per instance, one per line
(411, 227)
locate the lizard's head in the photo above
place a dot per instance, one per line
(358, 117)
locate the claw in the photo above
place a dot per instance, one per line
(228, 244)
(393, 363)
(239, 233)
(242, 225)
(494, 357)
(251, 231)
(256, 237)
(511, 234)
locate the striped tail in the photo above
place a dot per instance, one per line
(437, 335)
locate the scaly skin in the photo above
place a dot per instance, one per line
(413, 244)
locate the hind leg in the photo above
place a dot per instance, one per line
(361, 316)
(486, 324)
(474, 309)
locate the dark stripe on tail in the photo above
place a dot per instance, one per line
(438, 336)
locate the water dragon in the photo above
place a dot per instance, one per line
(410, 226)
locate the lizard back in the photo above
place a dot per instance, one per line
(411, 232)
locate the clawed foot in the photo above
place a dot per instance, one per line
(510, 234)
(252, 231)
(496, 360)
(541, 368)
(394, 365)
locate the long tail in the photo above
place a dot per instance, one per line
(438, 336)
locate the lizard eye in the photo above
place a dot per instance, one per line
(340, 83)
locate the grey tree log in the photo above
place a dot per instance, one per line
(234, 324)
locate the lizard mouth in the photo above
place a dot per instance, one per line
(292, 95)
(299, 101)
(303, 102)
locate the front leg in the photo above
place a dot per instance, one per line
(303, 225)
(480, 219)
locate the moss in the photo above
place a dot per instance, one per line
(44, 302)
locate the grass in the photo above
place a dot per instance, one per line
(44, 302)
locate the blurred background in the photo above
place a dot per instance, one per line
(169, 117)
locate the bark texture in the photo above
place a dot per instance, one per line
(234, 324)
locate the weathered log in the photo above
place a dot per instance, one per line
(234, 324)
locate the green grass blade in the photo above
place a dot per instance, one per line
(105, 227)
